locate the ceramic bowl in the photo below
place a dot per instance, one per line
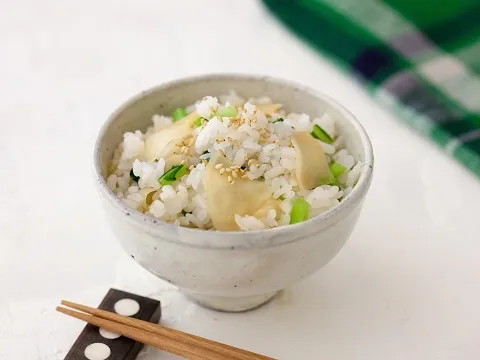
(231, 271)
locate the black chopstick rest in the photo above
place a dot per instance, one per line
(91, 343)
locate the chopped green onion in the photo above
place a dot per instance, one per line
(277, 120)
(179, 113)
(320, 134)
(229, 111)
(182, 170)
(198, 122)
(329, 180)
(133, 176)
(299, 211)
(281, 197)
(337, 169)
(175, 173)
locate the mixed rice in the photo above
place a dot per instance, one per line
(230, 164)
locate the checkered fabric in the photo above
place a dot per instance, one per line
(421, 59)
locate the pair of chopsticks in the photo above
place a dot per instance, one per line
(173, 341)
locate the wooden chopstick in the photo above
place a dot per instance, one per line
(145, 337)
(196, 345)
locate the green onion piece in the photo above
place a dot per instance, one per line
(299, 211)
(281, 197)
(329, 180)
(198, 122)
(133, 176)
(227, 112)
(337, 169)
(277, 120)
(320, 134)
(175, 173)
(182, 170)
(179, 113)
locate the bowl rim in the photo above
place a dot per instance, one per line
(356, 195)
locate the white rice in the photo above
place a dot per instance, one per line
(260, 138)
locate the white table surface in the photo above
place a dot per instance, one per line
(406, 285)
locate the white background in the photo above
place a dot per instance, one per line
(406, 285)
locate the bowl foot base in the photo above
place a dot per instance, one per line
(231, 304)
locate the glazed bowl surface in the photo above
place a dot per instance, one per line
(231, 271)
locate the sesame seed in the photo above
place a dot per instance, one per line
(222, 170)
(191, 167)
(244, 176)
(228, 170)
(232, 182)
(230, 179)
(218, 166)
(235, 174)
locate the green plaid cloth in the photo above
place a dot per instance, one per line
(421, 59)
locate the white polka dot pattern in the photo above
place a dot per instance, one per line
(127, 307)
(108, 334)
(97, 351)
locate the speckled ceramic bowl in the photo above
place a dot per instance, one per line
(231, 271)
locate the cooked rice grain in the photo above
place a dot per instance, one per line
(260, 148)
